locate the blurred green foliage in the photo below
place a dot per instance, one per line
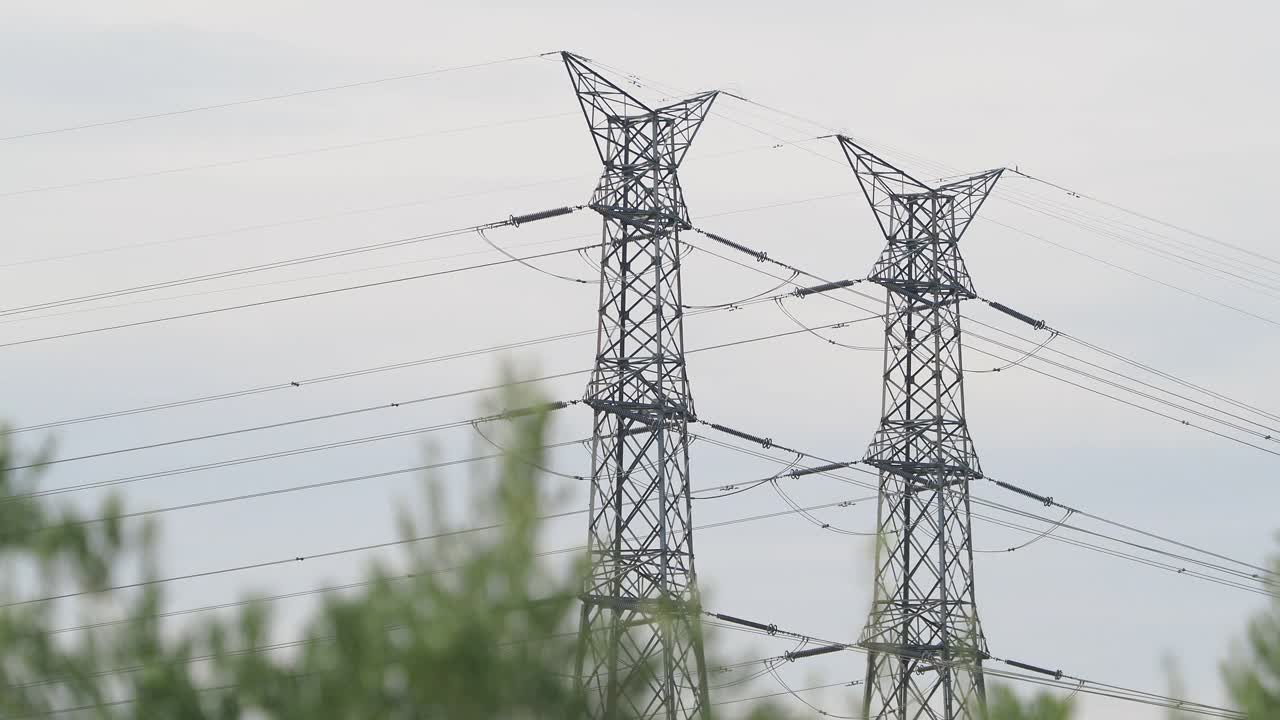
(492, 638)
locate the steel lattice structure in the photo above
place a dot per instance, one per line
(924, 635)
(640, 642)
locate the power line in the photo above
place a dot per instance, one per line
(763, 257)
(1172, 286)
(164, 172)
(828, 128)
(1149, 218)
(293, 384)
(267, 98)
(288, 281)
(1035, 198)
(287, 423)
(1145, 276)
(365, 248)
(828, 471)
(366, 583)
(350, 212)
(351, 550)
(1087, 686)
(1267, 432)
(1242, 277)
(1051, 502)
(303, 296)
(353, 441)
(283, 223)
(1147, 368)
(512, 221)
(336, 414)
(224, 500)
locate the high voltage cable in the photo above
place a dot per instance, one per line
(747, 250)
(829, 128)
(278, 156)
(303, 296)
(1167, 376)
(1149, 218)
(1024, 232)
(343, 443)
(1146, 368)
(284, 223)
(286, 423)
(268, 98)
(394, 243)
(1229, 275)
(330, 415)
(293, 384)
(763, 257)
(1269, 434)
(224, 500)
(1249, 587)
(1172, 286)
(1145, 276)
(359, 211)
(513, 221)
(295, 261)
(303, 382)
(366, 583)
(1092, 687)
(1233, 275)
(1137, 406)
(1236, 263)
(286, 281)
(347, 551)
(769, 443)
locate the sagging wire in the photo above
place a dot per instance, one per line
(531, 266)
(1055, 677)
(1075, 691)
(1047, 532)
(508, 452)
(814, 520)
(773, 670)
(733, 489)
(767, 662)
(683, 253)
(734, 304)
(781, 303)
(1053, 334)
(588, 446)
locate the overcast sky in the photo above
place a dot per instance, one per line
(1163, 107)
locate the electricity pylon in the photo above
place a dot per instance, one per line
(640, 640)
(924, 636)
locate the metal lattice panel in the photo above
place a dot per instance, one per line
(926, 642)
(640, 652)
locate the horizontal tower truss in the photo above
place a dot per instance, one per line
(640, 652)
(926, 642)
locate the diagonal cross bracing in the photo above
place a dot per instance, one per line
(640, 648)
(924, 615)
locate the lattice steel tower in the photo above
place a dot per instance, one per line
(926, 642)
(640, 651)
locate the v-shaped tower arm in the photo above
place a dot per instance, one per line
(685, 118)
(601, 100)
(969, 195)
(881, 182)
